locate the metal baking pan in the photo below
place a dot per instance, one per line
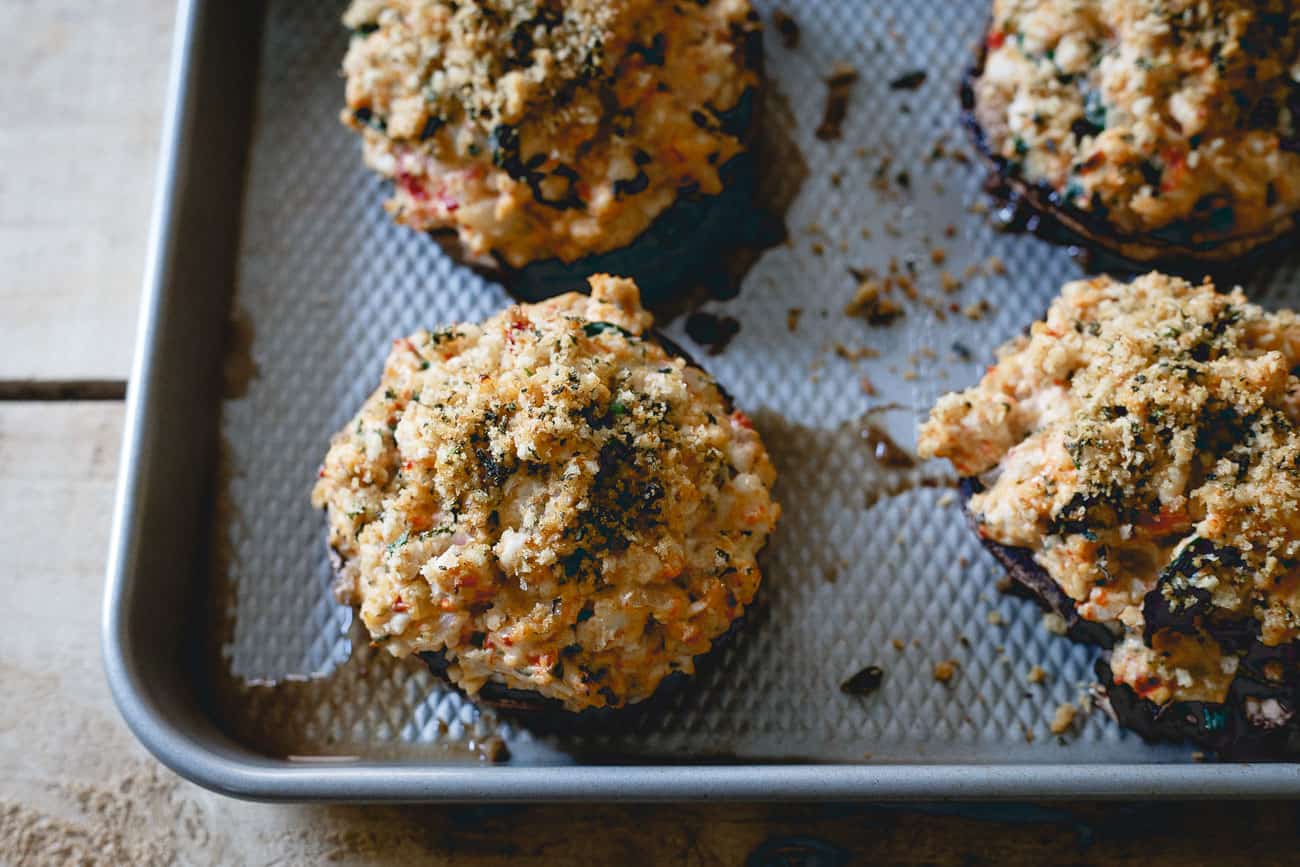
(229, 660)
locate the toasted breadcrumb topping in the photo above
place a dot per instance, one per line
(551, 499)
(539, 128)
(1174, 115)
(1141, 441)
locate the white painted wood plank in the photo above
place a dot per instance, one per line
(82, 109)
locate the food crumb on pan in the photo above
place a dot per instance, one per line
(867, 386)
(995, 265)
(995, 618)
(945, 670)
(871, 303)
(908, 80)
(1037, 674)
(899, 644)
(792, 319)
(976, 311)
(856, 353)
(1063, 720)
(946, 500)
(1054, 623)
(1029, 733)
(949, 283)
(838, 86)
(864, 682)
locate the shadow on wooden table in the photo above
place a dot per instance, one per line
(757, 835)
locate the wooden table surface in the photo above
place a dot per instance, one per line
(82, 109)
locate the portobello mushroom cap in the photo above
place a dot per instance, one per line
(1182, 247)
(1203, 647)
(545, 711)
(1031, 581)
(543, 714)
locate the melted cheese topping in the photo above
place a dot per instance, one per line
(551, 499)
(537, 128)
(1143, 438)
(1175, 115)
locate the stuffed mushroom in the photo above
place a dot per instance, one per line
(1135, 461)
(551, 507)
(546, 140)
(1164, 131)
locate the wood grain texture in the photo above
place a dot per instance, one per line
(82, 109)
(75, 787)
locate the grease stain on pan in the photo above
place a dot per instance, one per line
(239, 369)
(864, 448)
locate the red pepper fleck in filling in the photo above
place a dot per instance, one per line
(412, 187)
(1175, 168)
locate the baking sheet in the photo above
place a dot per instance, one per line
(866, 555)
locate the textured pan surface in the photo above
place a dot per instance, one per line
(865, 554)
